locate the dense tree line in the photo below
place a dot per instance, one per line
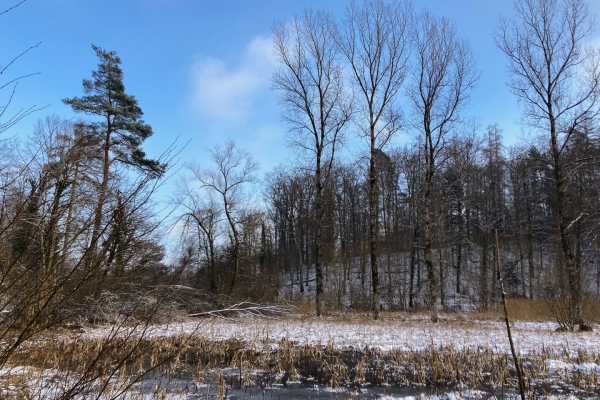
(483, 188)
(405, 227)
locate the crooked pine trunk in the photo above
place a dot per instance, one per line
(92, 260)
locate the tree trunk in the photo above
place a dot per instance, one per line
(483, 277)
(427, 234)
(374, 228)
(530, 250)
(413, 262)
(92, 260)
(319, 236)
(571, 268)
(459, 247)
(236, 244)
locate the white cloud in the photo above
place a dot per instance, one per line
(594, 42)
(227, 93)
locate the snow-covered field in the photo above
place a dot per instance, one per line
(561, 350)
(404, 333)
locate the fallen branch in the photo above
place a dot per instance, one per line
(245, 308)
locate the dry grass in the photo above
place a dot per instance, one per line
(537, 310)
(528, 310)
(519, 309)
(85, 365)
(303, 304)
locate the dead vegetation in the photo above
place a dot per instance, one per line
(136, 360)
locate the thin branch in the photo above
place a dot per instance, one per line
(17, 57)
(13, 7)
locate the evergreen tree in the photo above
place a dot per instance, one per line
(119, 131)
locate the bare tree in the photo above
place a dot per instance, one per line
(290, 195)
(205, 214)
(233, 170)
(557, 81)
(442, 76)
(46, 216)
(315, 103)
(375, 38)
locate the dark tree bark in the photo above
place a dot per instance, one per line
(375, 38)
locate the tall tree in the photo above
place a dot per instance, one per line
(443, 74)
(315, 104)
(205, 214)
(375, 39)
(233, 170)
(120, 131)
(557, 81)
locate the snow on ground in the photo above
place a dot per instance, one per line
(410, 333)
(394, 331)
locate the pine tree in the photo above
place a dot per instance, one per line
(119, 130)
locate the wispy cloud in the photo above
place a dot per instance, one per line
(228, 92)
(594, 41)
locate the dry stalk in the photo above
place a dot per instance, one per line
(518, 365)
(197, 357)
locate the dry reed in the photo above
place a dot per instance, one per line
(119, 364)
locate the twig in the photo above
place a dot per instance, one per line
(13, 7)
(19, 56)
(575, 221)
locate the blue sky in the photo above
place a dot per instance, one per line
(200, 69)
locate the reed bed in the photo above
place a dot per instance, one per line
(58, 365)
